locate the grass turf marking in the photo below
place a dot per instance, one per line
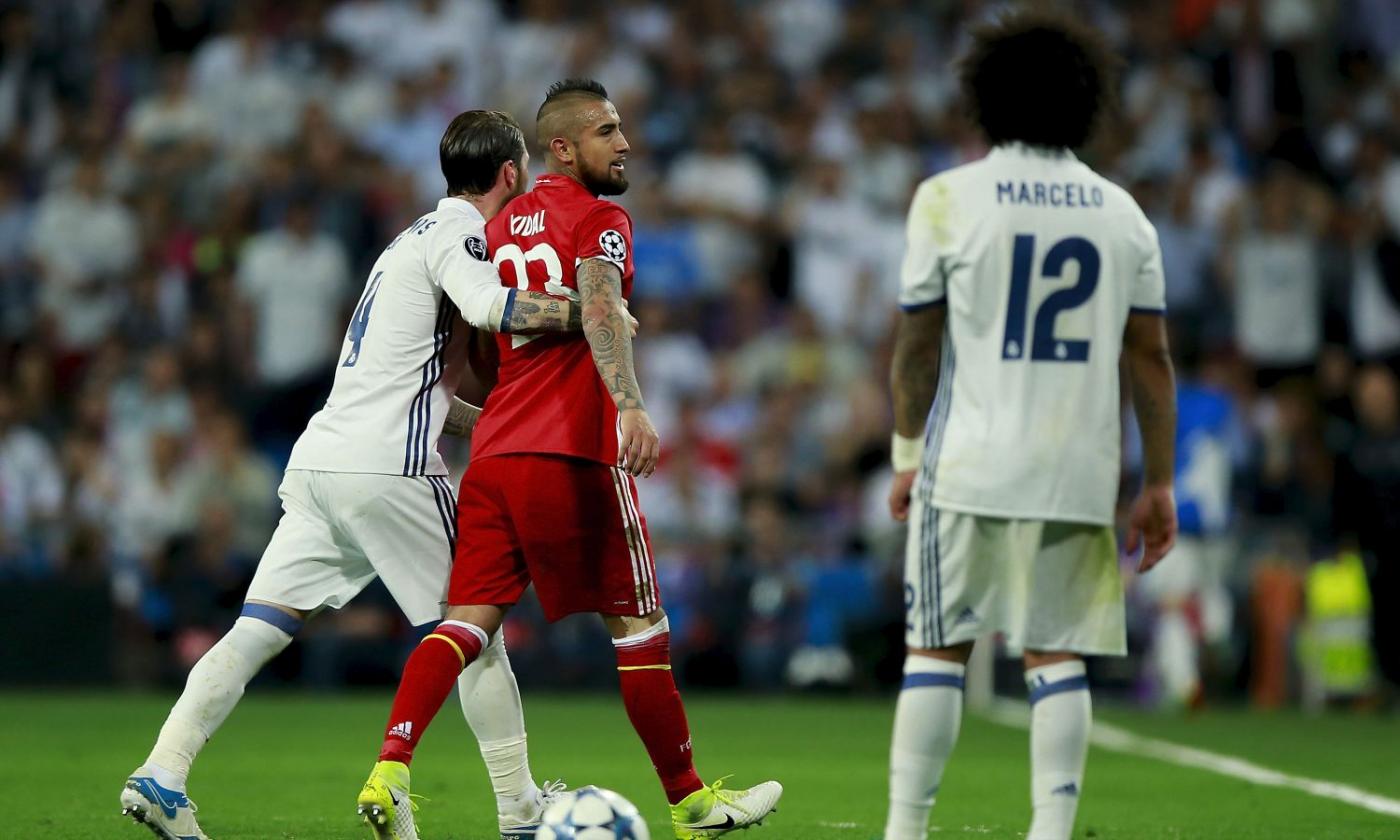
(1110, 737)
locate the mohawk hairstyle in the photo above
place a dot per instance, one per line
(1037, 76)
(569, 88)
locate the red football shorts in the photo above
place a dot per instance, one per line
(571, 526)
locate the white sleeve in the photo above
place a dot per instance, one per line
(1149, 289)
(921, 280)
(457, 261)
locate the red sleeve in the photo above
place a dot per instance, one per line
(606, 233)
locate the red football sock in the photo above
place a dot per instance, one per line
(655, 709)
(427, 679)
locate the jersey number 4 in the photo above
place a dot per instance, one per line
(359, 324)
(1045, 347)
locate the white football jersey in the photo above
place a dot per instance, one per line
(405, 349)
(1039, 260)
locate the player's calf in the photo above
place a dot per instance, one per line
(1060, 721)
(428, 677)
(654, 704)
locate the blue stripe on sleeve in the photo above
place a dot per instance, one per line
(919, 307)
(507, 312)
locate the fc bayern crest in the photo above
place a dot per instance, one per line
(613, 245)
(476, 246)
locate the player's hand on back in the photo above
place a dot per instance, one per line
(461, 418)
(640, 448)
(1152, 524)
(900, 493)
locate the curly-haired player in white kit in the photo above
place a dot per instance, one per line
(1027, 277)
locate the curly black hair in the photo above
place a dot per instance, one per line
(1037, 76)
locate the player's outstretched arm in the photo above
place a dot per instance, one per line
(529, 313)
(1152, 522)
(610, 340)
(475, 287)
(913, 381)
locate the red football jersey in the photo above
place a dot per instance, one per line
(548, 396)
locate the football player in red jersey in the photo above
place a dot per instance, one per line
(549, 496)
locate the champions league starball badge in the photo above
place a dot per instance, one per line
(613, 244)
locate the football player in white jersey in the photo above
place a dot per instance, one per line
(1027, 277)
(366, 493)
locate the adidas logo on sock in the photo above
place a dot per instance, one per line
(402, 730)
(1070, 789)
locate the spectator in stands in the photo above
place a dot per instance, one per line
(31, 496)
(227, 475)
(1271, 263)
(170, 117)
(297, 282)
(729, 197)
(85, 241)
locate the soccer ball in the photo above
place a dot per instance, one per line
(591, 813)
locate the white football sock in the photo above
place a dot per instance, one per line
(1060, 720)
(213, 688)
(926, 722)
(491, 704)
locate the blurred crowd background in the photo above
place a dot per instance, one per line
(191, 192)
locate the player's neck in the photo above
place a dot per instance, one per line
(487, 204)
(567, 172)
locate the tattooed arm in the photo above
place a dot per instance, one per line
(1150, 375)
(1154, 393)
(528, 313)
(606, 329)
(914, 369)
(531, 313)
(913, 381)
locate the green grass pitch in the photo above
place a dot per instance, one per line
(289, 765)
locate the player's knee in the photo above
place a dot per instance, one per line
(286, 619)
(488, 618)
(1040, 658)
(956, 653)
(626, 626)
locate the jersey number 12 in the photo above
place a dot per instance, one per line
(1045, 347)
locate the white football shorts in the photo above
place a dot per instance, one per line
(340, 530)
(1047, 586)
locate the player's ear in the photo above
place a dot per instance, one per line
(510, 173)
(562, 149)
